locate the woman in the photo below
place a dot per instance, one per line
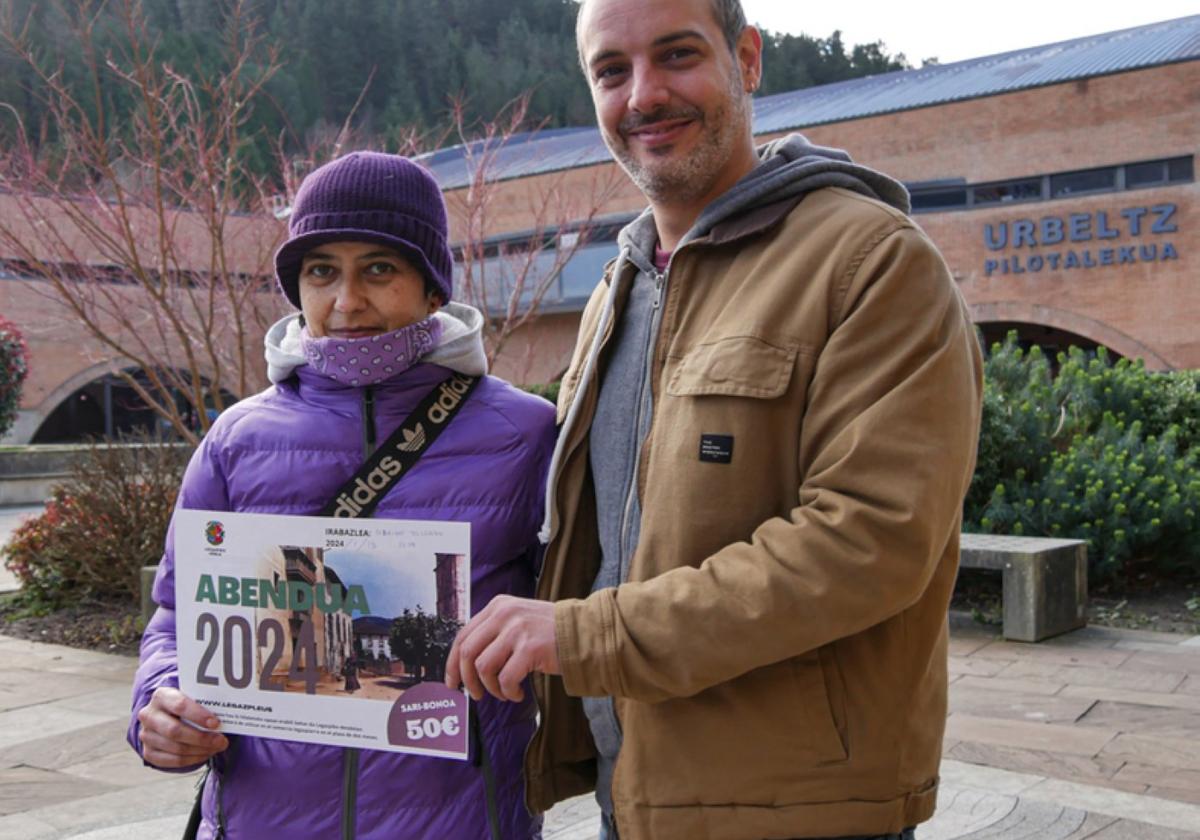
(368, 265)
(350, 674)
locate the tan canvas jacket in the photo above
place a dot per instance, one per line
(778, 656)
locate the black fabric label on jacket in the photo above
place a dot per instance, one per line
(716, 449)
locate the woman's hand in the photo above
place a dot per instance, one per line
(169, 731)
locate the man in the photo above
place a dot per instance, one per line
(768, 427)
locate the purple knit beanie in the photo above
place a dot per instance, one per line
(369, 197)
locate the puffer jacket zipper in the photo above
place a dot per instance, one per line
(351, 755)
(349, 793)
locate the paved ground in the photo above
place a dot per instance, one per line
(1095, 735)
(1092, 735)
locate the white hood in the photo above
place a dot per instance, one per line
(460, 350)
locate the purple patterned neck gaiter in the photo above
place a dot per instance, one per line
(369, 361)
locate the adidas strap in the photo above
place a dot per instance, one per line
(396, 456)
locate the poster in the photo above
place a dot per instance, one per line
(323, 630)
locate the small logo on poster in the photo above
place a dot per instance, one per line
(214, 532)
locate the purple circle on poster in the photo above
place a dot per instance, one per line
(429, 716)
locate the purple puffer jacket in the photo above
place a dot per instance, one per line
(287, 450)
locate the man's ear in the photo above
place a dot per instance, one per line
(749, 57)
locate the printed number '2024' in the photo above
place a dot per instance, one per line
(236, 642)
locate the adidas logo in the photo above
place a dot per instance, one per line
(414, 439)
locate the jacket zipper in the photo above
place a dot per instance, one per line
(349, 792)
(562, 452)
(659, 279)
(351, 755)
(368, 410)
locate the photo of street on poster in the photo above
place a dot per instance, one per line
(324, 630)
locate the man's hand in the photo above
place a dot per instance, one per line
(169, 742)
(499, 647)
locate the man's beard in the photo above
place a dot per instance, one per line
(681, 179)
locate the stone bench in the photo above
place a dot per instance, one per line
(1045, 581)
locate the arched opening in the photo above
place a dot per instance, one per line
(1052, 340)
(107, 407)
(1053, 329)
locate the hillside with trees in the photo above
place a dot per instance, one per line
(393, 67)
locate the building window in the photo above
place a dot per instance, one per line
(939, 199)
(1180, 170)
(1024, 189)
(1145, 174)
(939, 196)
(1085, 181)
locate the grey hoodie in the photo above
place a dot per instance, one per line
(790, 167)
(460, 349)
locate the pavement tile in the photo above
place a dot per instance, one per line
(983, 700)
(172, 795)
(1062, 655)
(1130, 830)
(963, 811)
(1144, 698)
(1178, 794)
(1175, 646)
(1091, 824)
(1156, 775)
(1055, 765)
(1147, 720)
(1123, 634)
(120, 769)
(1018, 686)
(31, 722)
(163, 828)
(959, 665)
(960, 774)
(26, 687)
(116, 702)
(61, 654)
(1161, 681)
(1036, 736)
(21, 785)
(964, 645)
(1163, 813)
(25, 827)
(1151, 749)
(1031, 821)
(80, 745)
(1178, 659)
(1191, 685)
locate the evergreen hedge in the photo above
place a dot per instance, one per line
(1091, 449)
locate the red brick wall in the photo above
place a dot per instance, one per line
(1145, 309)
(1141, 309)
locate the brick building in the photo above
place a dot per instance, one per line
(1058, 181)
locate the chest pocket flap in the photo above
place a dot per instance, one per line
(739, 366)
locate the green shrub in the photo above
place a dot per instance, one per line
(100, 526)
(1094, 450)
(13, 370)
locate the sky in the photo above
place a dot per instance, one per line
(392, 584)
(952, 30)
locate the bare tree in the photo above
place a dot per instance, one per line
(508, 278)
(149, 231)
(153, 236)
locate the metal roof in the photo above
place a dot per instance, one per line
(1095, 55)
